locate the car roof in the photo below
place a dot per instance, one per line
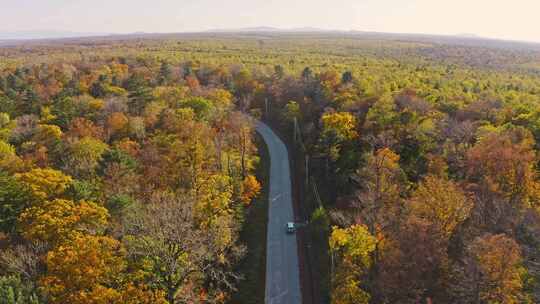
(290, 224)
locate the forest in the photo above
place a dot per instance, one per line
(128, 167)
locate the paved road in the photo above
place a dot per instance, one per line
(282, 272)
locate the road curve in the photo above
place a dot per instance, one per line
(282, 271)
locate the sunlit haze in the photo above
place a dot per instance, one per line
(515, 20)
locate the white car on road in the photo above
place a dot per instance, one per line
(290, 227)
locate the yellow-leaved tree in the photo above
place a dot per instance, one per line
(214, 199)
(84, 271)
(9, 161)
(60, 220)
(45, 184)
(382, 183)
(337, 129)
(441, 202)
(351, 250)
(47, 135)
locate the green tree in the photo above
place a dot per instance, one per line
(83, 156)
(307, 74)
(347, 77)
(201, 106)
(99, 87)
(292, 111)
(165, 73)
(5, 126)
(14, 198)
(382, 115)
(140, 94)
(9, 160)
(14, 291)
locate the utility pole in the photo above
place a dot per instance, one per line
(307, 171)
(295, 130)
(266, 108)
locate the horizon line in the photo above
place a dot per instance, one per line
(67, 34)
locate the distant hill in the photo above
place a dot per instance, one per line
(27, 35)
(468, 35)
(260, 29)
(266, 32)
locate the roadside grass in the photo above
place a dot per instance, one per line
(251, 288)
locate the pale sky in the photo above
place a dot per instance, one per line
(515, 19)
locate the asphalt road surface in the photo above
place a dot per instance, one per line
(282, 271)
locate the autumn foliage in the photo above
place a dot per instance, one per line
(127, 168)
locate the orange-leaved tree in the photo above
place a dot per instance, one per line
(92, 270)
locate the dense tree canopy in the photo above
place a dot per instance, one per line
(132, 185)
(424, 155)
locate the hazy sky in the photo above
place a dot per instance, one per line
(516, 19)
